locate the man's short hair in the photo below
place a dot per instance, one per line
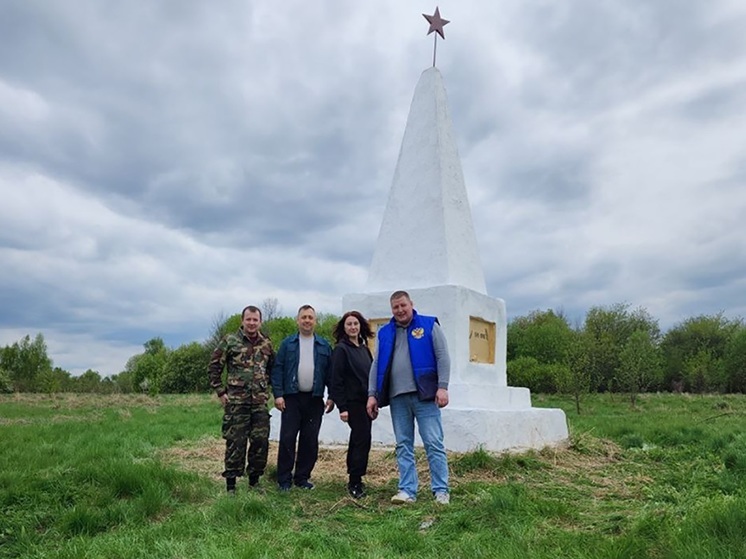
(305, 308)
(251, 308)
(398, 295)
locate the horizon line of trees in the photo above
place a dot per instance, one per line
(26, 367)
(616, 349)
(619, 349)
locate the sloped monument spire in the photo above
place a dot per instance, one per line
(427, 236)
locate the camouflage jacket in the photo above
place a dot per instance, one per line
(248, 368)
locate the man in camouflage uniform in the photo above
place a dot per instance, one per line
(248, 357)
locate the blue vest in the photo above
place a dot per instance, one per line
(421, 354)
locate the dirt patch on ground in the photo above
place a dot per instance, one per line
(599, 468)
(205, 457)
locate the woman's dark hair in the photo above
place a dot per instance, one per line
(365, 331)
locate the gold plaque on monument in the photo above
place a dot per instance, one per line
(481, 341)
(375, 324)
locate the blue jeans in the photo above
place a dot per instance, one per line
(405, 409)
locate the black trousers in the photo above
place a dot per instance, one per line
(358, 447)
(301, 422)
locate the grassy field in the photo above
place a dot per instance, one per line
(125, 477)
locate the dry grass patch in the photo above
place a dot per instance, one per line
(601, 474)
(73, 401)
(57, 418)
(205, 457)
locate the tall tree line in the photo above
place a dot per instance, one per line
(615, 349)
(619, 349)
(26, 367)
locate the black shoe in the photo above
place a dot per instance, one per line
(283, 486)
(253, 480)
(357, 490)
(304, 484)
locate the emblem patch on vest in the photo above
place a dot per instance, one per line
(417, 333)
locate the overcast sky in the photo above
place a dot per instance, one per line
(165, 162)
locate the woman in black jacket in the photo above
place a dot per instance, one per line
(351, 361)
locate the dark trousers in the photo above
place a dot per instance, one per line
(358, 447)
(301, 422)
(245, 426)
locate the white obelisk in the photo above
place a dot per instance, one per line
(427, 246)
(427, 237)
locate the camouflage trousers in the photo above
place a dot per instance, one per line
(245, 425)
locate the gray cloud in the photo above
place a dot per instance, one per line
(163, 162)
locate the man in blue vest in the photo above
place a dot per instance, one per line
(411, 373)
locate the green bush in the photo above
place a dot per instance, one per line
(735, 362)
(185, 369)
(704, 373)
(278, 329)
(537, 377)
(6, 386)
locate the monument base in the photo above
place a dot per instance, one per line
(464, 430)
(483, 412)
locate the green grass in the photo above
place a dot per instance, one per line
(129, 477)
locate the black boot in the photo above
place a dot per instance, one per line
(356, 488)
(230, 485)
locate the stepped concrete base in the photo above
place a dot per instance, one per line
(465, 430)
(483, 411)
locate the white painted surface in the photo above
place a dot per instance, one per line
(483, 411)
(427, 235)
(464, 430)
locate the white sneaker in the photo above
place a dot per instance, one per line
(442, 498)
(402, 497)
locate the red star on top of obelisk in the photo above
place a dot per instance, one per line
(436, 22)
